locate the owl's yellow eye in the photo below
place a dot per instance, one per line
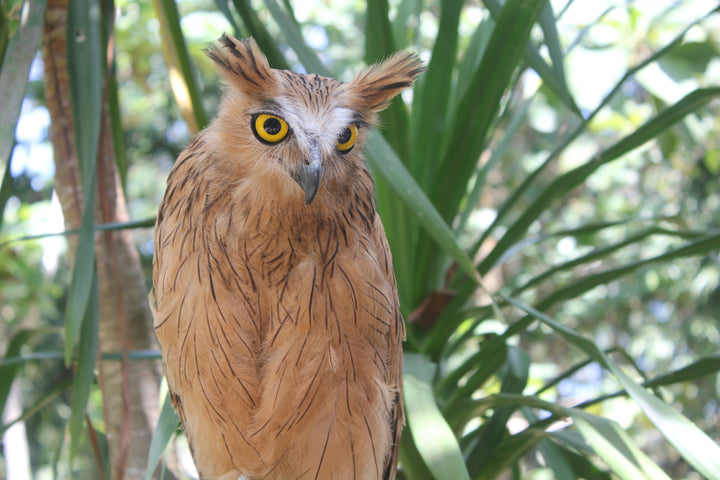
(269, 128)
(347, 138)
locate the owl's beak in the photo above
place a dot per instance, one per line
(309, 174)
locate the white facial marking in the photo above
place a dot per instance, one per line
(310, 126)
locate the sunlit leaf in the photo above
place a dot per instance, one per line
(614, 446)
(432, 435)
(180, 70)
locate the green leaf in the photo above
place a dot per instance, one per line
(517, 119)
(103, 227)
(116, 128)
(21, 48)
(4, 33)
(431, 99)
(507, 453)
(380, 44)
(383, 160)
(479, 106)
(705, 366)
(704, 245)
(379, 41)
(84, 369)
(5, 191)
(514, 376)
(553, 76)
(431, 434)
(164, 430)
(615, 447)
(85, 71)
(597, 253)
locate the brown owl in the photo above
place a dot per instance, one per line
(275, 301)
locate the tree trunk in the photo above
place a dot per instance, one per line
(129, 387)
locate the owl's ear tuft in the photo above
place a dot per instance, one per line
(243, 65)
(374, 88)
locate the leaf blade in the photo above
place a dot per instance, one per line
(164, 430)
(432, 435)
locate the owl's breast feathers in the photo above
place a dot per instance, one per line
(279, 326)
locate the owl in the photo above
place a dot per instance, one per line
(275, 303)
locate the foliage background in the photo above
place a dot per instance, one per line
(583, 255)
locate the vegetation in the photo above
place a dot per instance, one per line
(549, 190)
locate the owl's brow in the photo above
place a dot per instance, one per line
(269, 106)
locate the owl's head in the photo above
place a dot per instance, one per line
(289, 129)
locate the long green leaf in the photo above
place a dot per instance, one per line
(84, 369)
(379, 40)
(85, 71)
(401, 228)
(599, 253)
(432, 435)
(380, 44)
(44, 356)
(470, 62)
(5, 190)
(164, 430)
(383, 160)
(514, 379)
(479, 107)
(116, 128)
(705, 366)
(4, 32)
(692, 443)
(21, 48)
(553, 76)
(517, 119)
(431, 100)
(702, 246)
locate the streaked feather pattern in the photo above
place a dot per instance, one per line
(278, 321)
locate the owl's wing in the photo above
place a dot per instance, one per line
(397, 336)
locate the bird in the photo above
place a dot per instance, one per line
(274, 298)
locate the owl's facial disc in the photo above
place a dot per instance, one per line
(309, 174)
